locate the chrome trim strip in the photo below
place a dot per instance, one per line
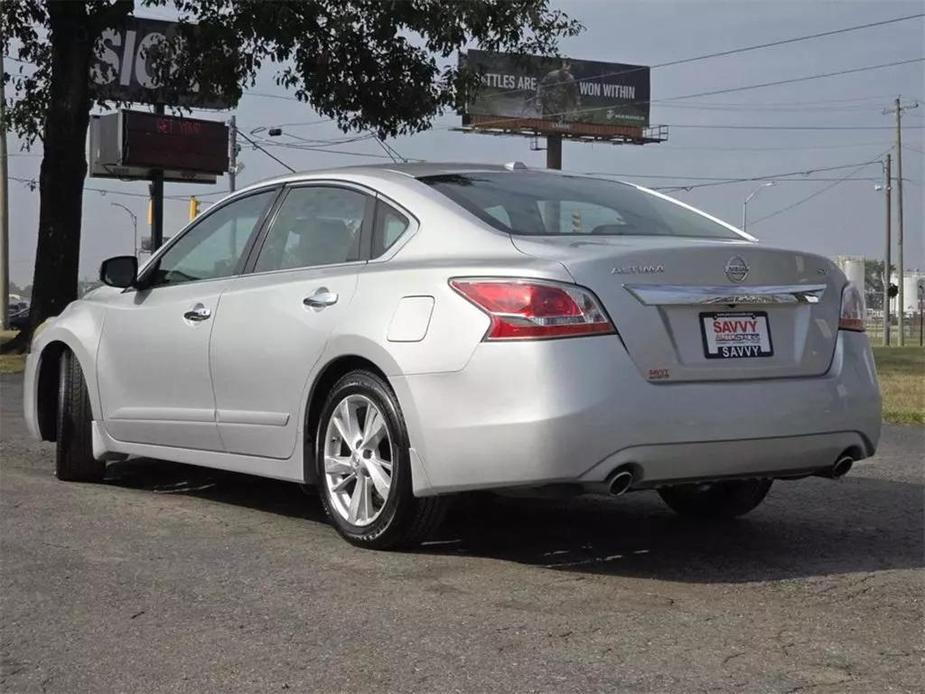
(680, 295)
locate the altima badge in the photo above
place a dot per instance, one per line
(736, 269)
(637, 270)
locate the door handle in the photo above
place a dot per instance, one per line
(198, 313)
(321, 298)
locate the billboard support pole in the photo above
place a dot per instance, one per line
(554, 152)
(157, 200)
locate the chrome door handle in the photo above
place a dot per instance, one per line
(321, 298)
(198, 313)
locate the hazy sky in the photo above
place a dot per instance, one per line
(848, 219)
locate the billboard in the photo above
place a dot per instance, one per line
(584, 97)
(122, 69)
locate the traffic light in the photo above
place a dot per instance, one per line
(193, 208)
(892, 291)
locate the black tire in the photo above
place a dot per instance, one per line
(74, 461)
(726, 499)
(405, 520)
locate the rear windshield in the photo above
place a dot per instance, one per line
(539, 204)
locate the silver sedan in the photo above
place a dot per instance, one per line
(398, 334)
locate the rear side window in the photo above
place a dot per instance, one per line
(390, 225)
(315, 225)
(537, 204)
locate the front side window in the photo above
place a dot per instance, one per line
(315, 225)
(213, 247)
(540, 204)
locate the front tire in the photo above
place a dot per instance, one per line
(364, 468)
(725, 499)
(74, 461)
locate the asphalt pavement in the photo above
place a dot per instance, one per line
(169, 578)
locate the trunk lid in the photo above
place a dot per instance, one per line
(661, 294)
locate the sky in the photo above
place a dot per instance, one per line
(845, 112)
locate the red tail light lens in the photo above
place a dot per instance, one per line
(535, 309)
(852, 309)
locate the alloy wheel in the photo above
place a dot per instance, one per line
(358, 460)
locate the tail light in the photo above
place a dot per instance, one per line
(523, 309)
(852, 309)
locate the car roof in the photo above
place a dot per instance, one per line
(409, 170)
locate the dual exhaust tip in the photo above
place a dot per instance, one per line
(623, 480)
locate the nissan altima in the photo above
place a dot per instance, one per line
(398, 334)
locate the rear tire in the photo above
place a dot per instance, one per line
(74, 461)
(726, 499)
(396, 520)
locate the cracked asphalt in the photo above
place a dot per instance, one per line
(169, 578)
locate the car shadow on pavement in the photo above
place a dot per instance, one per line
(806, 528)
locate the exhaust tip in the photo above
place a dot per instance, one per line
(842, 466)
(621, 482)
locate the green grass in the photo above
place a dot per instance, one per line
(11, 363)
(902, 381)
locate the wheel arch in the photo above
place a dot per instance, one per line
(327, 376)
(48, 379)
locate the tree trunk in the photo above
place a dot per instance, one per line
(64, 165)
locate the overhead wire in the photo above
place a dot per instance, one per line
(809, 197)
(733, 51)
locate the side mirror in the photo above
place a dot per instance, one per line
(121, 271)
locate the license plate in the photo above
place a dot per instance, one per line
(736, 335)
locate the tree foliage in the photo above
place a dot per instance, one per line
(384, 65)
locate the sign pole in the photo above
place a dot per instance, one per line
(157, 200)
(554, 152)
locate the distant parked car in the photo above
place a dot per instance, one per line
(18, 315)
(398, 334)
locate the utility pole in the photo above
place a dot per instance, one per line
(898, 109)
(232, 153)
(887, 191)
(4, 215)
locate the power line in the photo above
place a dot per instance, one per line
(724, 126)
(727, 90)
(669, 147)
(269, 154)
(810, 196)
(744, 49)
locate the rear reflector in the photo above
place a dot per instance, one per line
(852, 309)
(522, 309)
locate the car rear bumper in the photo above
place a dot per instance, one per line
(532, 413)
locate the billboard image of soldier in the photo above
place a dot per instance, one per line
(557, 93)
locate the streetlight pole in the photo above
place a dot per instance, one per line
(748, 199)
(134, 222)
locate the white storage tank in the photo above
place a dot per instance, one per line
(853, 267)
(912, 280)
